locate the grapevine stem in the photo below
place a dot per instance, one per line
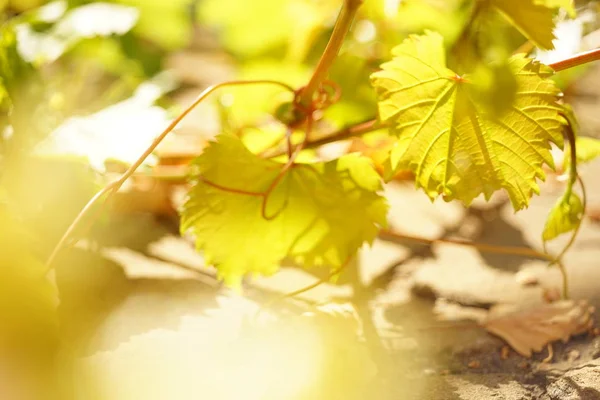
(577, 59)
(565, 279)
(284, 170)
(340, 30)
(343, 134)
(392, 236)
(113, 187)
(267, 192)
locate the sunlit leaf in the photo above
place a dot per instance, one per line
(450, 141)
(321, 213)
(533, 18)
(563, 217)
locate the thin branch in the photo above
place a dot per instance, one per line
(340, 30)
(565, 279)
(577, 59)
(284, 171)
(113, 187)
(320, 282)
(392, 236)
(343, 134)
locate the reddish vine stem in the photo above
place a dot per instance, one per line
(283, 172)
(280, 175)
(113, 187)
(576, 60)
(386, 234)
(343, 134)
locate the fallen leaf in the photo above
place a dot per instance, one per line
(532, 329)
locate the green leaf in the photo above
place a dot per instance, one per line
(587, 149)
(453, 144)
(564, 217)
(534, 18)
(322, 212)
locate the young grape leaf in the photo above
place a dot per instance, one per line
(453, 144)
(534, 18)
(587, 149)
(319, 214)
(564, 217)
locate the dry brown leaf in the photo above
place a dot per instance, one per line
(531, 330)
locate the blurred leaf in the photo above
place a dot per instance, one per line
(27, 299)
(269, 27)
(87, 21)
(452, 144)
(249, 105)
(445, 17)
(248, 28)
(48, 192)
(21, 5)
(122, 131)
(311, 205)
(358, 100)
(567, 5)
(496, 87)
(27, 114)
(534, 18)
(166, 23)
(587, 149)
(564, 217)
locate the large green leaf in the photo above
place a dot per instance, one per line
(323, 211)
(455, 145)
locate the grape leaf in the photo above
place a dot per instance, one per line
(533, 18)
(450, 141)
(563, 217)
(323, 212)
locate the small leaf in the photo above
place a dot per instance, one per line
(321, 212)
(455, 146)
(534, 18)
(587, 149)
(564, 217)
